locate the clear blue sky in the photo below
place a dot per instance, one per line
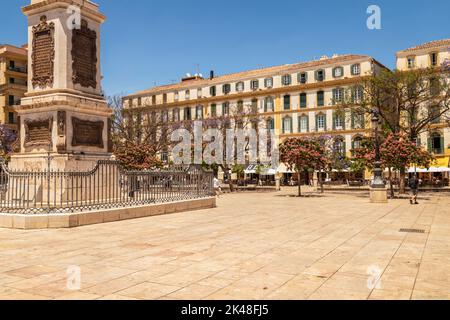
(147, 41)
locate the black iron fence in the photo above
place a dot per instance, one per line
(106, 186)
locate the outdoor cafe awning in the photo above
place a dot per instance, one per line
(439, 165)
(252, 169)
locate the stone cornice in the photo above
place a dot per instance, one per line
(51, 4)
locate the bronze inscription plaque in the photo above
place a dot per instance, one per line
(84, 56)
(87, 133)
(38, 132)
(43, 53)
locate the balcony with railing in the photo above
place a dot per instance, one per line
(18, 69)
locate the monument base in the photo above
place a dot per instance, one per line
(57, 162)
(378, 195)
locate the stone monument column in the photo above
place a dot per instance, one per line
(64, 118)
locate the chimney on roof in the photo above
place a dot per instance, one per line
(335, 55)
(324, 57)
(211, 75)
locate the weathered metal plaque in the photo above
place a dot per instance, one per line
(87, 133)
(84, 56)
(38, 132)
(43, 53)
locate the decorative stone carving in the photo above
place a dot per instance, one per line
(110, 141)
(61, 123)
(16, 144)
(61, 146)
(38, 132)
(43, 53)
(87, 133)
(84, 56)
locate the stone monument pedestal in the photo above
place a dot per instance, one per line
(64, 120)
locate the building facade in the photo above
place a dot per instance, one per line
(13, 82)
(296, 100)
(430, 55)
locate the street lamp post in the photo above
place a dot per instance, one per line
(378, 182)
(378, 191)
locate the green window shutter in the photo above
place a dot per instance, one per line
(334, 121)
(284, 130)
(345, 149)
(307, 124)
(325, 122)
(430, 145)
(317, 123)
(442, 145)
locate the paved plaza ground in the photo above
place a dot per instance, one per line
(253, 246)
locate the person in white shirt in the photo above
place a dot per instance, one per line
(217, 187)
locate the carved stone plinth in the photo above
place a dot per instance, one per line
(378, 195)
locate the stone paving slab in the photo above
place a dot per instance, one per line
(252, 246)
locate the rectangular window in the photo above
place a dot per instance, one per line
(187, 113)
(338, 122)
(434, 59)
(199, 93)
(226, 88)
(176, 115)
(303, 100)
(320, 75)
(187, 95)
(11, 100)
(303, 78)
(338, 95)
(139, 101)
(287, 102)
(254, 84)
(268, 83)
(411, 62)
(213, 110)
(286, 80)
(12, 64)
(303, 124)
(321, 122)
(320, 99)
(153, 100)
(212, 91)
(11, 118)
(199, 113)
(176, 96)
(164, 97)
(226, 108)
(11, 80)
(287, 125)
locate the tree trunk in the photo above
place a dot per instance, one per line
(402, 180)
(299, 175)
(390, 184)
(321, 181)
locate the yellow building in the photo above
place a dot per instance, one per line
(437, 139)
(299, 99)
(13, 82)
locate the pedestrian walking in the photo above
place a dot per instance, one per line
(414, 186)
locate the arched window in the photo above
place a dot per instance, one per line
(268, 104)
